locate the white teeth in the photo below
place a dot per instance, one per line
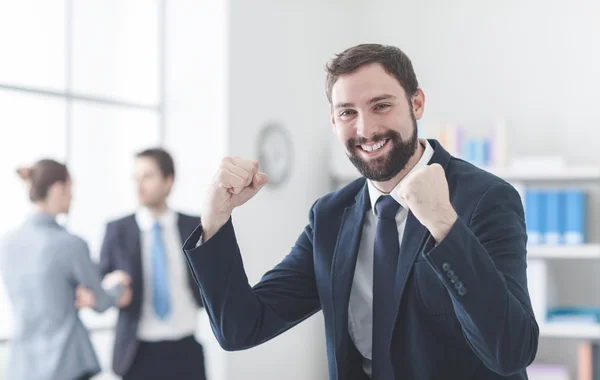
(372, 148)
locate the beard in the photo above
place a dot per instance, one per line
(384, 168)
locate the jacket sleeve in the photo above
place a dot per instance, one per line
(483, 265)
(86, 273)
(243, 316)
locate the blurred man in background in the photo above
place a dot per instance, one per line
(155, 334)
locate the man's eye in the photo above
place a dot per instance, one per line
(347, 113)
(381, 106)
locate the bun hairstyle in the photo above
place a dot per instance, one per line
(41, 176)
(24, 173)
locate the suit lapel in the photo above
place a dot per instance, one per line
(134, 245)
(412, 241)
(414, 238)
(344, 263)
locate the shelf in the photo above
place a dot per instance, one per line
(581, 173)
(585, 251)
(559, 174)
(569, 330)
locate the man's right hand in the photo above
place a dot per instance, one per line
(84, 297)
(237, 181)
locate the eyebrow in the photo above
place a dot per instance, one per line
(373, 100)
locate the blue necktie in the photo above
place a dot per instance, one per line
(160, 285)
(386, 251)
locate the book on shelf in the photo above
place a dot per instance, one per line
(555, 216)
(573, 315)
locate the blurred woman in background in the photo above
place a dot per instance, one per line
(48, 274)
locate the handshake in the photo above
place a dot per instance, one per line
(85, 297)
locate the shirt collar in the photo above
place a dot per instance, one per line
(374, 193)
(145, 219)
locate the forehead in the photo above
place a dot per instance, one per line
(146, 164)
(365, 83)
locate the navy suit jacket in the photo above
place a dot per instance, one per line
(122, 250)
(487, 330)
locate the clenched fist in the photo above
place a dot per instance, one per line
(425, 191)
(237, 180)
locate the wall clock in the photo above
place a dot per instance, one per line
(275, 153)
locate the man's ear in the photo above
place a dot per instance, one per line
(170, 181)
(418, 104)
(331, 117)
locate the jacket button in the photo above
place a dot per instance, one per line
(450, 273)
(445, 267)
(462, 291)
(459, 285)
(453, 279)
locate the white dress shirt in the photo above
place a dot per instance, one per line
(360, 307)
(183, 317)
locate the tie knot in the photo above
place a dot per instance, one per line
(386, 207)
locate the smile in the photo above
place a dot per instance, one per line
(374, 147)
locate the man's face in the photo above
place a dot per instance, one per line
(375, 121)
(152, 187)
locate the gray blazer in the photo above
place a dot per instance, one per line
(41, 264)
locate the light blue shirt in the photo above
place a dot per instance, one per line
(41, 264)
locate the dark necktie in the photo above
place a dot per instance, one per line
(386, 251)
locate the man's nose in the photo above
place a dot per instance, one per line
(365, 127)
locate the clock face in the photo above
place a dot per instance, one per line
(274, 153)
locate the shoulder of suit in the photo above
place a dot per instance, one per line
(120, 222)
(71, 243)
(473, 182)
(341, 198)
(465, 172)
(188, 217)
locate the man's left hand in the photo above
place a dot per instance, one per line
(425, 191)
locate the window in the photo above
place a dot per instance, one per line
(32, 36)
(115, 49)
(80, 82)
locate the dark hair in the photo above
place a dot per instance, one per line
(162, 158)
(41, 176)
(394, 61)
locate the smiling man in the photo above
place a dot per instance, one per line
(418, 266)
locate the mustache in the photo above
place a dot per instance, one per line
(354, 141)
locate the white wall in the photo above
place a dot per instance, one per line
(532, 63)
(196, 117)
(196, 95)
(277, 52)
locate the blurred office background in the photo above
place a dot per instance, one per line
(91, 82)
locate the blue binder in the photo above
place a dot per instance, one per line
(575, 218)
(535, 215)
(555, 218)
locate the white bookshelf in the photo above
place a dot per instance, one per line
(570, 330)
(584, 251)
(570, 173)
(347, 173)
